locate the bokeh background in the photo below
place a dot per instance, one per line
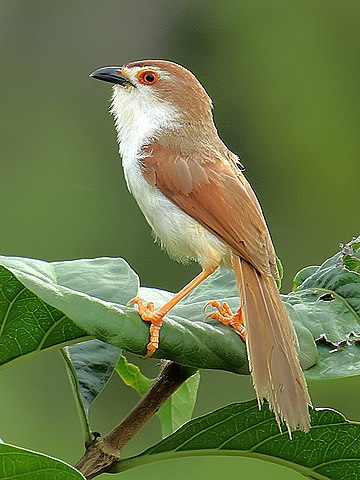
(284, 76)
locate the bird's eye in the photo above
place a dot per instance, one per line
(148, 77)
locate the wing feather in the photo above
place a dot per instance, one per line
(216, 193)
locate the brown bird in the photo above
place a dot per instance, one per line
(200, 206)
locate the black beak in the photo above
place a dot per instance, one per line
(112, 75)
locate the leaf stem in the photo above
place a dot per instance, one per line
(104, 453)
(88, 437)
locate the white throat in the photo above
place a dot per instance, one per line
(139, 117)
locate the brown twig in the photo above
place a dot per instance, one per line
(104, 452)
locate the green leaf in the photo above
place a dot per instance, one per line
(177, 409)
(281, 272)
(94, 363)
(335, 362)
(132, 376)
(348, 259)
(75, 385)
(89, 291)
(303, 274)
(331, 450)
(18, 463)
(33, 292)
(352, 263)
(327, 304)
(90, 366)
(28, 324)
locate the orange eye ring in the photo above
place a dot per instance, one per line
(148, 77)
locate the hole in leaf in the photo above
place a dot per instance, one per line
(327, 297)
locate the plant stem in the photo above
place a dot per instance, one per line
(105, 452)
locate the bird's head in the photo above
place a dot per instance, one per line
(156, 91)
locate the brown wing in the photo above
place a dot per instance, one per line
(214, 192)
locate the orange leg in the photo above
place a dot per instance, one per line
(155, 317)
(226, 317)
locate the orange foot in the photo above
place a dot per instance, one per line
(148, 314)
(225, 316)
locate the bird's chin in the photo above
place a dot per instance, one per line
(122, 88)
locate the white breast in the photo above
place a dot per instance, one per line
(137, 122)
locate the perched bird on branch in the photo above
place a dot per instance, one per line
(200, 206)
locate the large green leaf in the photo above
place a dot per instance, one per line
(177, 409)
(20, 464)
(28, 324)
(326, 302)
(36, 298)
(92, 293)
(331, 450)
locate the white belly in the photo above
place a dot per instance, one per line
(179, 234)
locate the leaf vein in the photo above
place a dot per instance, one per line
(49, 331)
(7, 313)
(248, 429)
(214, 424)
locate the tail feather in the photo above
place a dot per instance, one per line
(271, 341)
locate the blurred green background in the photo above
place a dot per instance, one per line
(284, 78)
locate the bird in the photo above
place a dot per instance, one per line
(192, 191)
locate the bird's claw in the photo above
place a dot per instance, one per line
(225, 316)
(148, 314)
(141, 306)
(223, 308)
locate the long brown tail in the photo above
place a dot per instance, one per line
(270, 341)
